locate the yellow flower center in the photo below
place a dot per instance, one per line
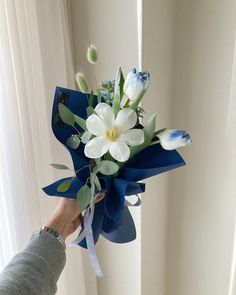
(112, 134)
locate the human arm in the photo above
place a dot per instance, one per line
(37, 268)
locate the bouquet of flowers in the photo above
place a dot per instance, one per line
(111, 152)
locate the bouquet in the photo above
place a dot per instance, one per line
(112, 151)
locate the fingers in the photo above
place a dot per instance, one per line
(76, 222)
(99, 197)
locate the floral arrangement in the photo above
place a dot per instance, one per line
(111, 152)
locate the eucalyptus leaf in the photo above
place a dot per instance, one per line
(98, 160)
(118, 91)
(97, 184)
(66, 115)
(107, 167)
(80, 121)
(86, 137)
(83, 197)
(73, 141)
(94, 180)
(64, 186)
(60, 166)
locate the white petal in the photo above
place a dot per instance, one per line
(106, 113)
(119, 151)
(134, 89)
(96, 125)
(96, 147)
(129, 77)
(172, 139)
(126, 119)
(133, 137)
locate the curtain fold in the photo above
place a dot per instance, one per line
(35, 56)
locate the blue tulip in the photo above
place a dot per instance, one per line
(136, 83)
(171, 139)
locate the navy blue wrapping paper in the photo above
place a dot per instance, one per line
(111, 218)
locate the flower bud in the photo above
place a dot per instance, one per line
(136, 83)
(92, 54)
(171, 139)
(81, 81)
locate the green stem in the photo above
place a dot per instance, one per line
(77, 131)
(127, 103)
(154, 142)
(81, 168)
(135, 104)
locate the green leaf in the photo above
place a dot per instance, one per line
(86, 137)
(83, 197)
(118, 91)
(64, 186)
(81, 122)
(97, 184)
(60, 166)
(66, 115)
(73, 141)
(159, 132)
(91, 99)
(94, 180)
(149, 129)
(89, 111)
(99, 98)
(92, 177)
(108, 167)
(97, 160)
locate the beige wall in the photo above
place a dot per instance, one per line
(157, 57)
(188, 216)
(112, 27)
(202, 203)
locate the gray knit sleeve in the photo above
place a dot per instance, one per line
(35, 270)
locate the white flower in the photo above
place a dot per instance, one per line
(136, 83)
(112, 134)
(171, 139)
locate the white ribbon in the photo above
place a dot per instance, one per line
(137, 203)
(88, 234)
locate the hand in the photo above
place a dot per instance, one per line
(66, 217)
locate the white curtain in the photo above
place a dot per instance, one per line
(35, 56)
(188, 216)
